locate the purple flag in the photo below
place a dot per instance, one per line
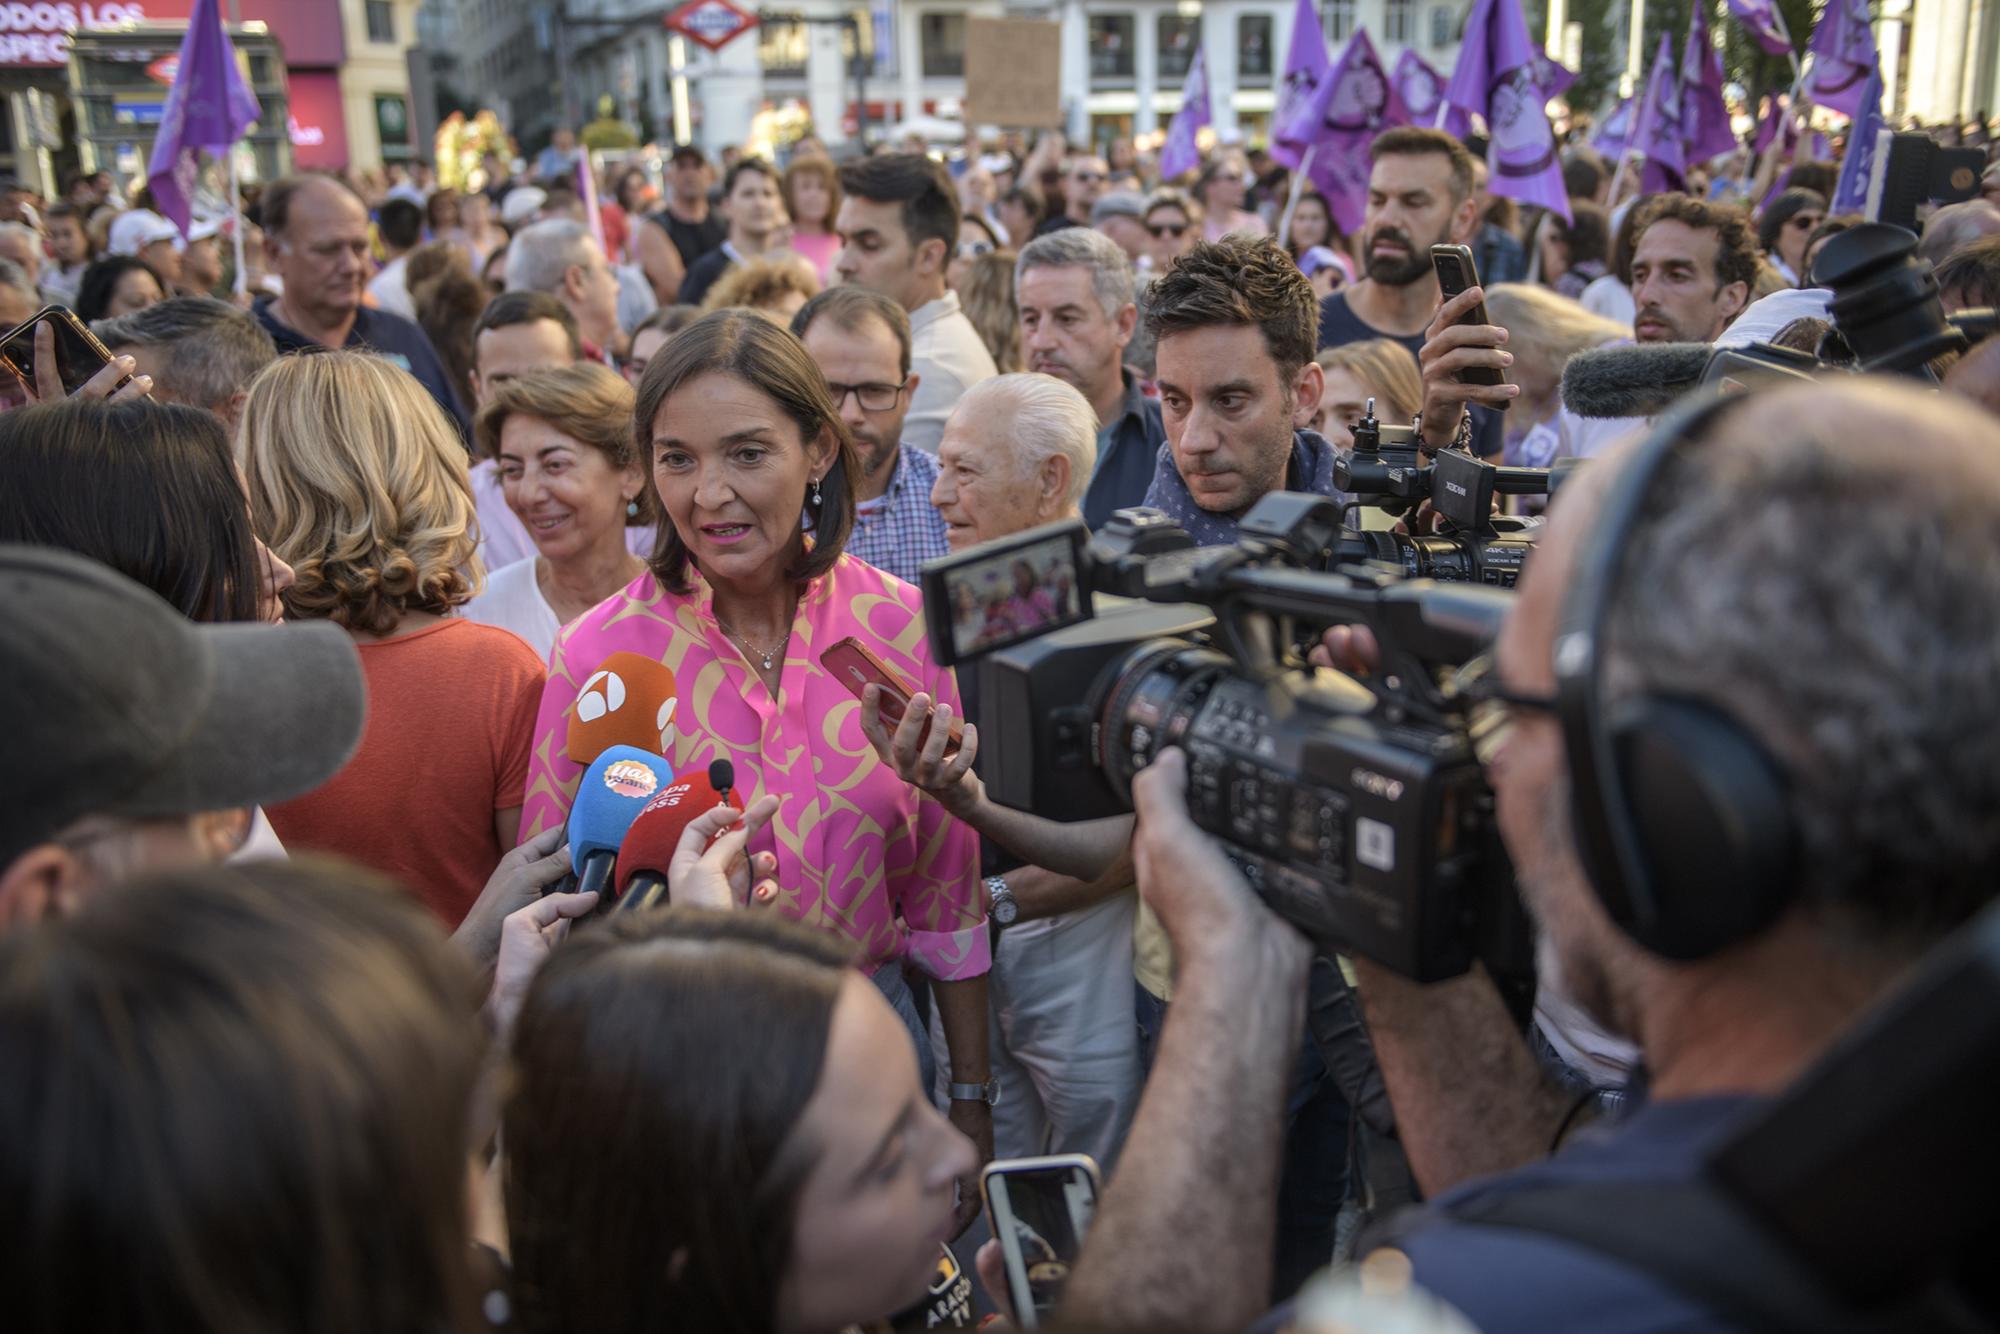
(1615, 135)
(1180, 153)
(1843, 54)
(208, 107)
(1658, 133)
(1704, 112)
(1776, 126)
(1496, 79)
(1419, 91)
(1555, 78)
(1851, 194)
(1306, 65)
(1765, 23)
(1354, 104)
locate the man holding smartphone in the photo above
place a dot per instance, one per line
(1420, 194)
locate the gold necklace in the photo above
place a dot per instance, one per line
(767, 657)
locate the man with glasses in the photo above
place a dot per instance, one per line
(861, 340)
(1171, 224)
(1859, 720)
(1084, 180)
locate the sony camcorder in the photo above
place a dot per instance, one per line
(1387, 469)
(1356, 807)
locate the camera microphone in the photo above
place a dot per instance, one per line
(1635, 380)
(614, 789)
(648, 849)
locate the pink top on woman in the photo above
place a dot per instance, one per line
(859, 851)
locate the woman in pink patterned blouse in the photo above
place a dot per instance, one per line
(742, 439)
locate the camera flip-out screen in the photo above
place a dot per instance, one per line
(1007, 590)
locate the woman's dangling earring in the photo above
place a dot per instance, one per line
(815, 493)
(632, 508)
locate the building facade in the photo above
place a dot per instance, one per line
(1123, 61)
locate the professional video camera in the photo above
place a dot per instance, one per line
(1389, 470)
(1358, 810)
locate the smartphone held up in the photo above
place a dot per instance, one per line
(77, 352)
(1039, 1209)
(1456, 274)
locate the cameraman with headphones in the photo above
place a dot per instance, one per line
(1744, 713)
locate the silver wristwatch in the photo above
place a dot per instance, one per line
(1000, 904)
(988, 1093)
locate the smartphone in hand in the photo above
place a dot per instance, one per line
(1039, 1209)
(79, 354)
(857, 668)
(1455, 273)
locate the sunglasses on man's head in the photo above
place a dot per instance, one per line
(1165, 229)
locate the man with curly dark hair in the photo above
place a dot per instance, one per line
(1235, 322)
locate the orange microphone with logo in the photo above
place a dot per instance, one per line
(630, 700)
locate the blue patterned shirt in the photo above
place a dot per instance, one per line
(903, 529)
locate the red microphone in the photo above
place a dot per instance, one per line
(656, 832)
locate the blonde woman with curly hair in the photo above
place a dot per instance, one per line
(774, 285)
(359, 479)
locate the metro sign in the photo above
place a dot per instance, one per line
(713, 23)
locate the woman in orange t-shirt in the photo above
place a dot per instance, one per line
(359, 482)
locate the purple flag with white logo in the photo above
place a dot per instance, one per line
(1704, 112)
(208, 107)
(1851, 194)
(1658, 133)
(1765, 23)
(1614, 136)
(1180, 153)
(1496, 79)
(1554, 76)
(1354, 104)
(1306, 65)
(1419, 91)
(1843, 55)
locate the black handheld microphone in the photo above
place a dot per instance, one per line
(722, 777)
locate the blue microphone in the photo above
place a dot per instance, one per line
(616, 786)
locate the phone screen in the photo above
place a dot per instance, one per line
(78, 355)
(1039, 1216)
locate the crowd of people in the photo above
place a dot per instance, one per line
(320, 591)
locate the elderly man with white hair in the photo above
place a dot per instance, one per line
(1017, 452)
(562, 258)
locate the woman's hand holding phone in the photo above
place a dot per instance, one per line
(115, 380)
(920, 748)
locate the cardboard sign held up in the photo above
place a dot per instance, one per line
(1013, 73)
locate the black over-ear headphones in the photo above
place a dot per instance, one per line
(1680, 814)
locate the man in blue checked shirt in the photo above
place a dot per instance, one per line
(861, 340)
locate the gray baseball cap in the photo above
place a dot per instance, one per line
(113, 703)
(1118, 204)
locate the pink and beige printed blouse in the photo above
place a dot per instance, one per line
(859, 851)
